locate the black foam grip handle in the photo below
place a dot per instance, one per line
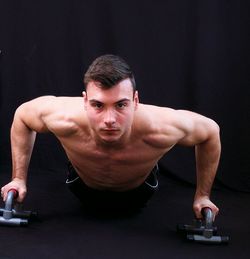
(208, 217)
(15, 192)
(205, 211)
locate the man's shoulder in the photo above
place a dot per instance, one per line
(161, 127)
(71, 100)
(67, 107)
(153, 111)
(60, 112)
(149, 118)
(53, 103)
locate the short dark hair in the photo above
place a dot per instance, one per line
(109, 70)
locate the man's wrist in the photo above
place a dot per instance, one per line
(201, 194)
(18, 179)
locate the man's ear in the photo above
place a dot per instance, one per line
(84, 95)
(136, 99)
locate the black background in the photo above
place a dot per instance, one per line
(185, 54)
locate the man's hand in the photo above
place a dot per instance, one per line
(202, 202)
(16, 184)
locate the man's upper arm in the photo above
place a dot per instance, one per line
(34, 112)
(196, 128)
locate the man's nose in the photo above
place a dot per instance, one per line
(109, 118)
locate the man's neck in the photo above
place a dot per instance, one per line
(114, 145)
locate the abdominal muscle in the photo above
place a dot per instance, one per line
(113, 170)
(112, 175)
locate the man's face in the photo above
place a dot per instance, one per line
(110, 111)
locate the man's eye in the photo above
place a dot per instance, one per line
(97, 105)
(121, 105)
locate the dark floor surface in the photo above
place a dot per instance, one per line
(65, 230)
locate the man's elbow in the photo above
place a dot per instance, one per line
(214, 128)
(213, 137)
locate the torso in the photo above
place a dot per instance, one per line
(117, 169)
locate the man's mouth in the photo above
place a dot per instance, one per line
(109, 129)
(110, 132)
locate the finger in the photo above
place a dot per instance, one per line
(215, 213)
(197, 212)
(21, 196)
(3, 194)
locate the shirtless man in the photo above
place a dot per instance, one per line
(112, 141)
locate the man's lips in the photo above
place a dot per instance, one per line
(110, 129)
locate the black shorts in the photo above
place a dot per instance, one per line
(105, 199)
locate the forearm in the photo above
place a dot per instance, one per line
(22, 142)
(207, 161)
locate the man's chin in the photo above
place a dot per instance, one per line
(110, 139)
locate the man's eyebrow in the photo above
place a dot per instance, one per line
(94, 101)
(123, 100)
